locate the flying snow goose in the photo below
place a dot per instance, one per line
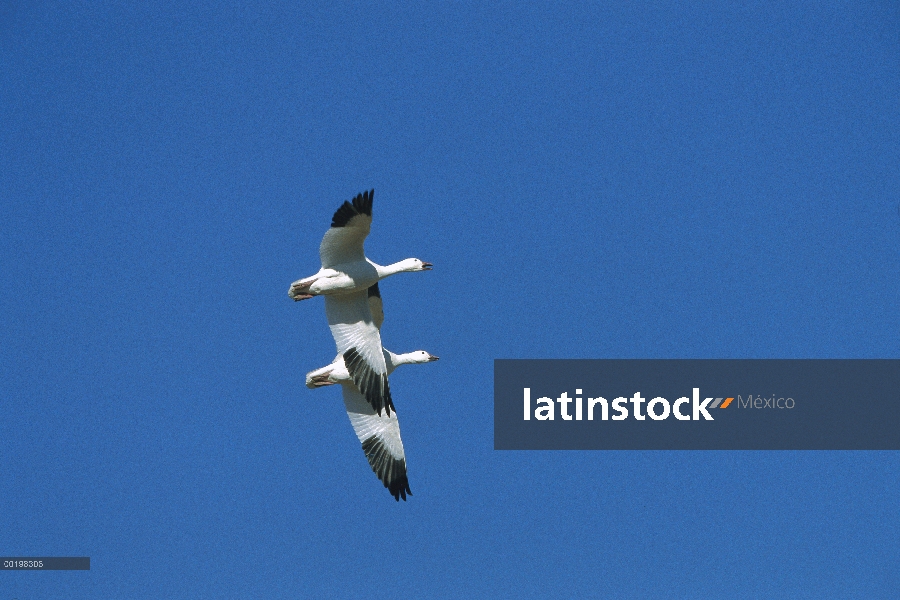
(337, 371)
(345, 268)
(379, 434)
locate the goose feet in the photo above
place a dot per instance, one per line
(320, 380)
(300, 290)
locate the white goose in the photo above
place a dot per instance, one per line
(379, 434)
(345, 268)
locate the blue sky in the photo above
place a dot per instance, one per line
(591, 180)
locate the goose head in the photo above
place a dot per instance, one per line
(420, 356)
(414, 264)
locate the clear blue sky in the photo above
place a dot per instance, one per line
(591, 180)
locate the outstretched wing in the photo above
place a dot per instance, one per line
(359, 342)
(343, 242)
(380, 437)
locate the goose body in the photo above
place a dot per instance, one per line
(345, 268)
(364, 384)
(337, 371)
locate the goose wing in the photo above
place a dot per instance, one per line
(375, 305)
(359, 342)
(343, 242)
(380, 438)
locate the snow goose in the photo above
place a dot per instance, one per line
(345, 268)
(337, 371)
(378, 433)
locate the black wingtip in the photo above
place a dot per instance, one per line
(374, 291)
(391, 471)
(361, 205)
(399, 488)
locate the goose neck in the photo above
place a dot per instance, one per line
(393, 268)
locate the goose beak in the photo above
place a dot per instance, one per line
(432, 358)
(426, 266)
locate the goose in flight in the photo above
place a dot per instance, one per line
(378, 433)
(345, 268)
(337, 371)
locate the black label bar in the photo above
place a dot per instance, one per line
(45, 563)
